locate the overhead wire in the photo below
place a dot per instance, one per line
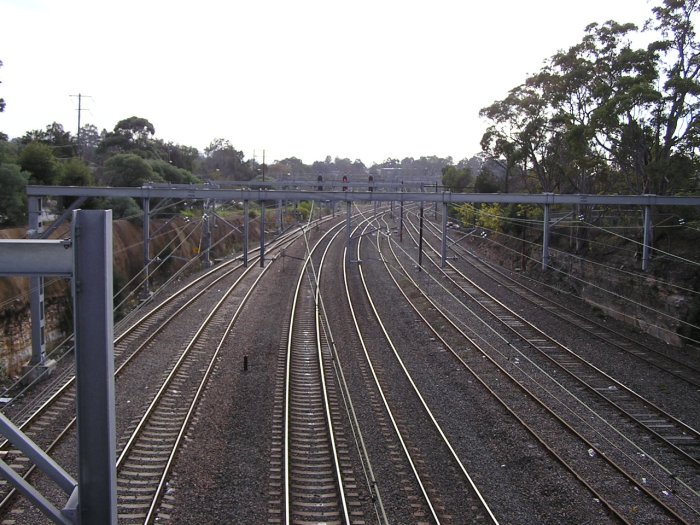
(618, 312)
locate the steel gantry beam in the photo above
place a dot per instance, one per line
(87, 260)
(242, 194)
(380, 192)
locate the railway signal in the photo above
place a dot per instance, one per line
(345, 181)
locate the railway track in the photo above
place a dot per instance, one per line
(319, 440)
(314, 485)
(676, 434)
(444, 491)
(324, 465)
(49, 417)
(145, 459)
(610, 440)
(467, 260)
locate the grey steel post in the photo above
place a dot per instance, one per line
(420, 239)
(436, 204)
(262, 234)
(36, 290)
(443, 246)
(646, 249)
(279, 216)
(146, 246)
(348, 223)
(94, 364)
(401, 223)
(207, 233)
(545, 238)
(246, 226)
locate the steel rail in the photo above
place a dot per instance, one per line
(292, 351)
(428, 411)
(66, 379)
(630, 346)
(691, 441)
(383, 395)
(61, 387)
(439, 335)
(179, 427)
(394, 423)
(345, 391)
(594, 446)
(150, 516)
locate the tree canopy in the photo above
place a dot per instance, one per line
(13, 198)
(39, 161)
(2, 100)
(605, 116)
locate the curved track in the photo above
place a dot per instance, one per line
(48, 416)
(609, 440)
(445, 488)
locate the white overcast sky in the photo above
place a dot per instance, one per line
(367, 79)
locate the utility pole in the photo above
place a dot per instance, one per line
(80, 110)
(262, 165)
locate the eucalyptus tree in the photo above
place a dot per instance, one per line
(38, 160)
(504, 152)
(56, 137)
(522, 126)
(128, 169)
(13, 198)
(88, 141)
(2, 100)
(676, 116)
(131, 135)
(606, 116)
(222, 161)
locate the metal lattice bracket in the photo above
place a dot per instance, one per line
(87, 260)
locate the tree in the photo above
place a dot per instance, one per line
(171, 173)
(184, 157)
(2, 100)
(223, 161)
(290, 167)
(486, 183)
(13, 198)
(604, 108)
(75, 173)
(138, 129)
(130, 135)
(60, 140)
(456, 179)
(8, 151)
(128, 169)
(675, 119)
(88, 142)
(497, 148)
(122, 207)
(37, 158)
(605, 92)
(522, 122)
